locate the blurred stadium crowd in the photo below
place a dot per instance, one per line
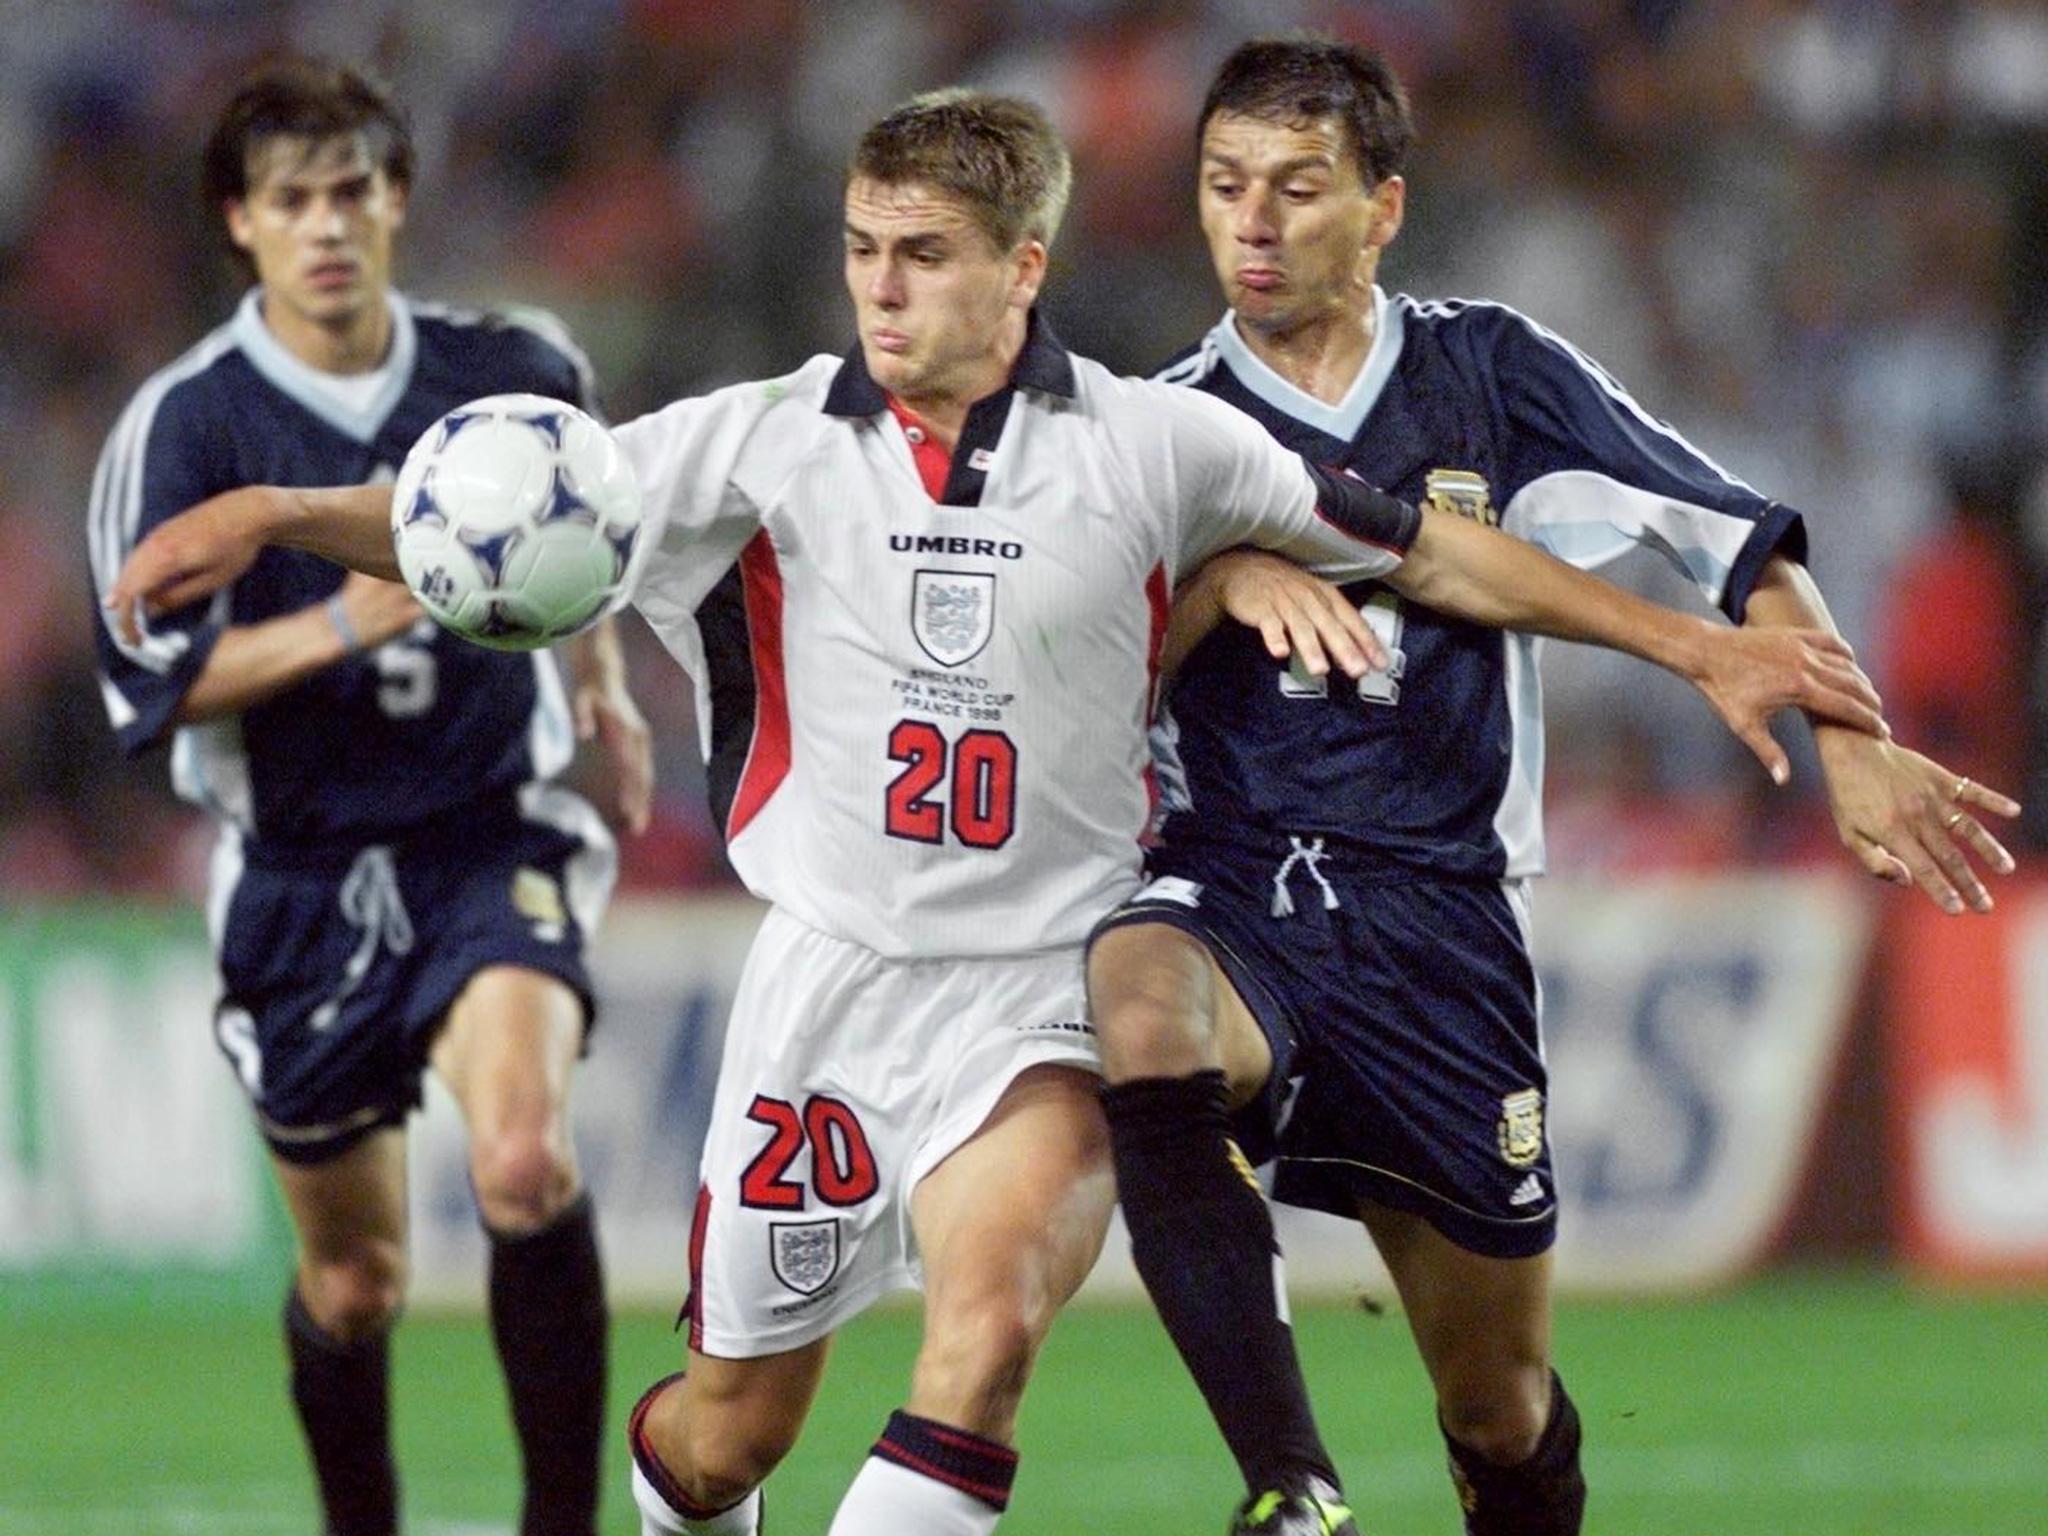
(1812, 233)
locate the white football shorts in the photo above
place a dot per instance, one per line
(846, 1078)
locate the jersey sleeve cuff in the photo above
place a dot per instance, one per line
(156, 711)
(1780, 531)
(1363, 511)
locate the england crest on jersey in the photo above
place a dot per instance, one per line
(804, 1254)
(952, 613)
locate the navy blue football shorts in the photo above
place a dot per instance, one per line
(1407, 1061)
(338, 965)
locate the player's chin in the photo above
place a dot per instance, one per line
(894, 371)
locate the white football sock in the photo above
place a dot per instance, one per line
(888, 1500)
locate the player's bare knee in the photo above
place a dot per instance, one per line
(523, 1181)
(356, 1296)
(1500, 1414)
(1149, 994)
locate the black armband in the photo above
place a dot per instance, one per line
(1363, 511)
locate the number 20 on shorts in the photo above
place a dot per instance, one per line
(842, 1163)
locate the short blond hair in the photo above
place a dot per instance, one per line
(1000, 155)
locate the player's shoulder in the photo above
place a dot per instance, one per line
(198, 385)
(1135, 401)
(1478, 332)
(519, 338)
(783, 410)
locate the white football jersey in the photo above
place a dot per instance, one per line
(926, 718)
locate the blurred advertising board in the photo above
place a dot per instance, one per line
(1968, 1033)
(1693, 1027)
(123, 1138)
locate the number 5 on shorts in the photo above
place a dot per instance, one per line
(842, 1163)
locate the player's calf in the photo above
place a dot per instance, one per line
(548, 1320)
(1203, 1241)
(665, 1508)
(341, 1390)
(705, 1440)
(1543, 1494)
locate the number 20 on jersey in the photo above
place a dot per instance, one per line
(966, 787)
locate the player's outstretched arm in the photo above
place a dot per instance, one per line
(1459, 567)
(202, 549)
(1297, 614)
(1904, 817)
(250, 663)
(605, 713)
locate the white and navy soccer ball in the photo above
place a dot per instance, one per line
(516, 520)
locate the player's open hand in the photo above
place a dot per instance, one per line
(605, 713)
(1749, 674)
(188, 557)
(1909, 820)
(1297, 615)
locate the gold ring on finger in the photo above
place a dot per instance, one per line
(1955, 819)
(1962, 788)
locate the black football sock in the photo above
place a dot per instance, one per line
(1202, 1236)
(548, 1318)
(343, 1394)
(1544, 1495)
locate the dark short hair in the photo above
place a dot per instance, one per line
(998, 154)
(1302, 77)
(302, 98)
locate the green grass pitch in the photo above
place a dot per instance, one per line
(1798, 1406)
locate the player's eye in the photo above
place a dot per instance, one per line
(1225, 188)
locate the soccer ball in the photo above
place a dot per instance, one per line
(516, 519)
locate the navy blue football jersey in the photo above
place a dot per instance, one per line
(382, 741)
(1436, 764)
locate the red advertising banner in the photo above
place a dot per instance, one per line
(1968, 1007)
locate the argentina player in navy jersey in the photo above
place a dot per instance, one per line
(1330, 965)
(396, 883)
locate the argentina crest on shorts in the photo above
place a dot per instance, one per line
(953, 613)
(804, 1254)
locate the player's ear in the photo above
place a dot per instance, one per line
(1029, 273)
(1389, 205)
(241, 229)
(398, 192)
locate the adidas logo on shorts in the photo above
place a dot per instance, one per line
(1528, 1192)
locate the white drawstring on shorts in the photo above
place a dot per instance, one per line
(371, 901)
(1308, 855)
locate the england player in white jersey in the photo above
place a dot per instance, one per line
(921, 590)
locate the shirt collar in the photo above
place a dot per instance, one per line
(1044, 365)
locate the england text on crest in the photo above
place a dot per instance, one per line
(804, 1254)
(952, 613)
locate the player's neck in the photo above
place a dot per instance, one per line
(943, 409)
(356, 343)
(1319, 357)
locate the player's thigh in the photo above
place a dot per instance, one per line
(1009, 1225)
(1165, 1008)
(506, 1052)
(1481, 1324)
(349, 1214)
